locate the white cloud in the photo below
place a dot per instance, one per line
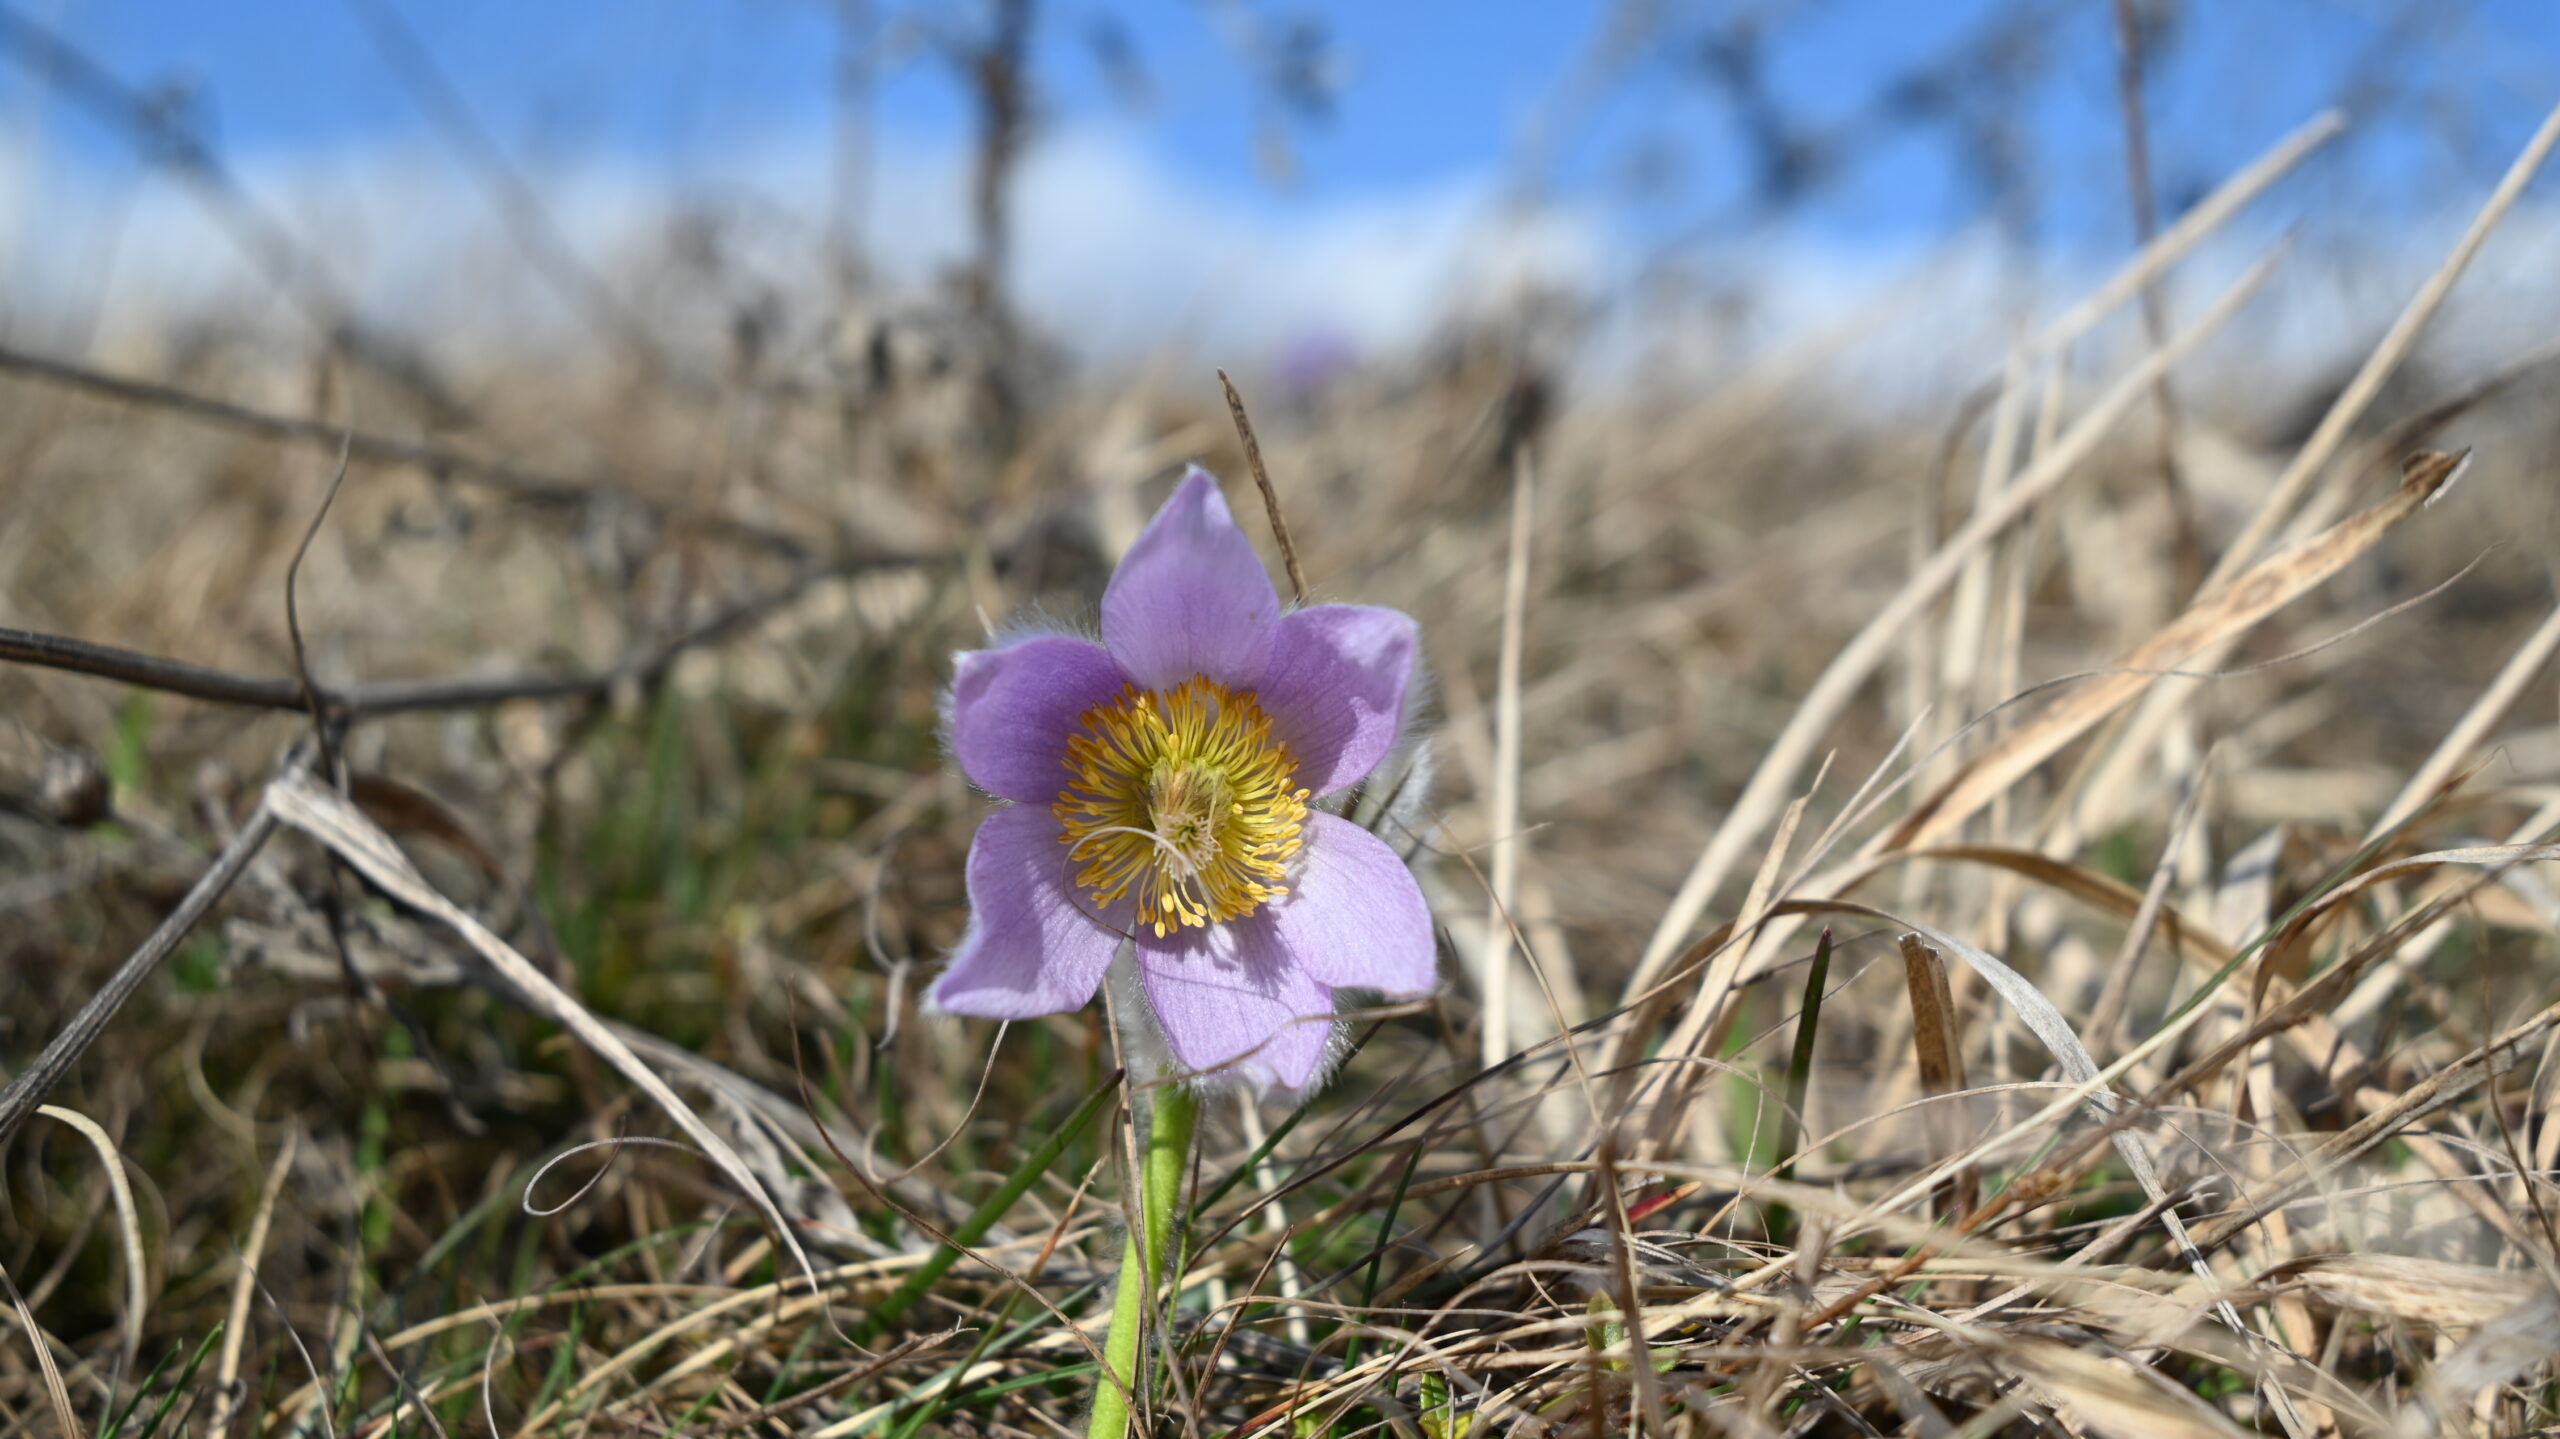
(1115, 255)
(1118, 254)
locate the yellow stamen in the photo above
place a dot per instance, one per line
(1183, 796)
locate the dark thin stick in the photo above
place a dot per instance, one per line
(1262, 480)
(324, 734)
(30, 1088)
(643, 669)
(384, 697)
(293, 622)
(1800, 1072)
(177, 677)
(532, 487)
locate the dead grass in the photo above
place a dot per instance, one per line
(2213, 1092)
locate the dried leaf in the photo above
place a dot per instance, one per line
(2114, 1397)
(2434, 1292)
(1941, 1057)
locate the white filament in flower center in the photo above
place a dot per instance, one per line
(1184, 803)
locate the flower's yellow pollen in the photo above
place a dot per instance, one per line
(1184, 797)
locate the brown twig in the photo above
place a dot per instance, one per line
(385, 697)
(320, 729)
(38, 1079)
(1262, 481)
(997, 70)
(442, 462)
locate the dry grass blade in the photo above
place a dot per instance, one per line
(851, 1378)
(2113, 1397)
(2496, 1057)
(344, 829)
(2517, 1341)
(2476, 723)
(1270, 493)
(2213, 620)
(1940, 1051)
(64, 1417)
(1762, 796)
(2283, 946)
(1919, 1412)
(2105, 893)
(235, 1332)
(2191, 229)
(2385, 358)
(2047, 1023)
(1499, 920)
(137, 1272)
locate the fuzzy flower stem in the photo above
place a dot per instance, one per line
(1168, 1157)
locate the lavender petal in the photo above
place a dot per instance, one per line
(1013, 707)
(1233, 999)
(1354, 917)
(1191, 597)
(1030, 949)
(1335, 689)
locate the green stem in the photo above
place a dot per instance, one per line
(1177, 1113)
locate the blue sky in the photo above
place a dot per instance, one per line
(1429, 90)
(1434, 98)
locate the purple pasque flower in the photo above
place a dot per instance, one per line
(1161, 784)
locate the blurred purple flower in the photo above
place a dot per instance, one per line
(1309, 360)
(1160, 783)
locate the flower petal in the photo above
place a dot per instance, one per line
(1030, 949)
(1354, 917)
(1013, 707)
(1335, 689)
(1232, 998)
(1191, 597)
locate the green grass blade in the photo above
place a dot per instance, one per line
(984, 1217)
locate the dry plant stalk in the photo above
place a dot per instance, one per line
(1939, 1048)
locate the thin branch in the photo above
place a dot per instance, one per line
(29, 1089)
(643, 667)
(1262, 481)
(320, 730)
(531, 486)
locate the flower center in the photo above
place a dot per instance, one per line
(1185, 798)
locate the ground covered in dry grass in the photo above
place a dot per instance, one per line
(1951, 927)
